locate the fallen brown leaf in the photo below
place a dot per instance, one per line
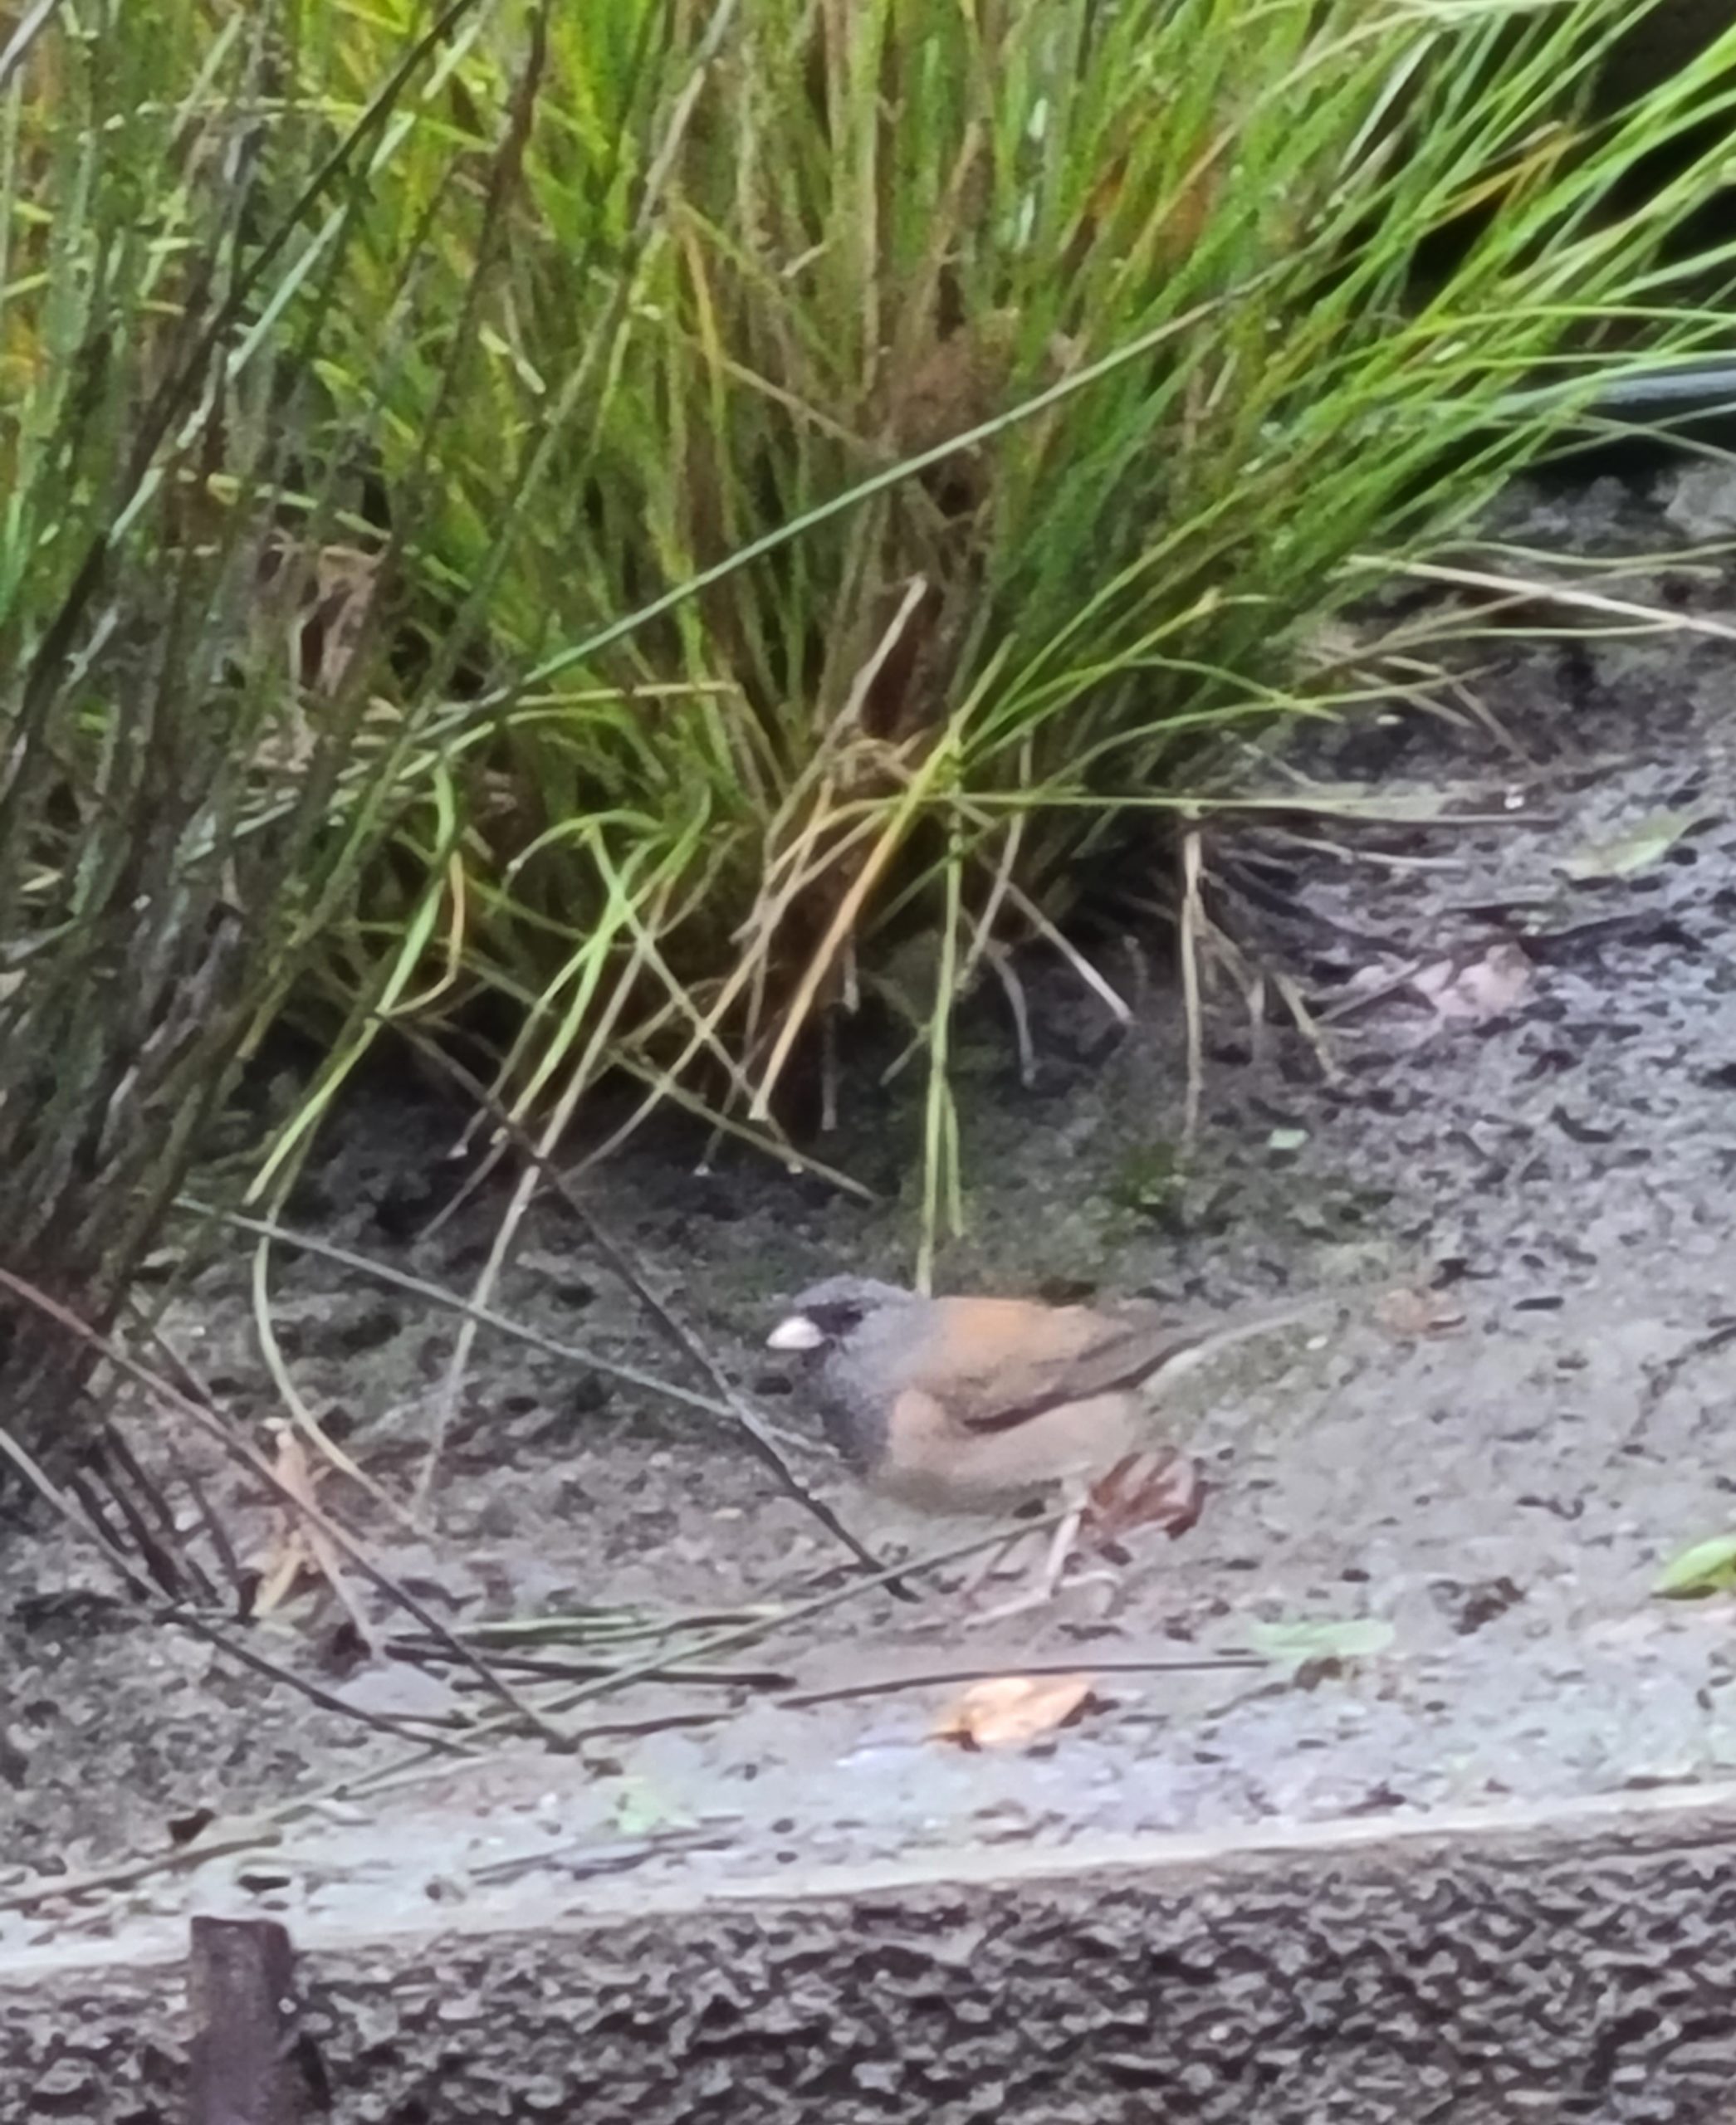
(1009, 1709)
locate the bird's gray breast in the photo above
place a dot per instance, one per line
(851, 1420)
(860, 1383)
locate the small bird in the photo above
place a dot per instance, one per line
(974, 1404)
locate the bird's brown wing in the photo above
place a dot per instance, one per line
(995, 1364)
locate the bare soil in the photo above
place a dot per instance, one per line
(1549, 1145)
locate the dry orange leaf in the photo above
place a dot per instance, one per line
(1006, 1710)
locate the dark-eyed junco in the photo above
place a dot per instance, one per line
(973, 1404)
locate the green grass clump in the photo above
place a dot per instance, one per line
(196, 769)
(892, 443)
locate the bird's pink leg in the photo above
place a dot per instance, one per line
(985, 1567)
(1044, 1587)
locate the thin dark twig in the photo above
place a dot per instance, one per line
(739, 1635)
(95, 1507)
(244, 1656)
(128, 1484)
(164, 1572)
(949, 1677)
(939, 1678)
(243, 1583)
(414, 1654)
(401, 1726)
(213, 1527)
(78, 1515)
(242, 1450)
(404, 1280)
(621, 1261)
(746, 1634)
(433, 1756)
(113, 1446)
(116, 1446)
(195, 1388)
(410, 1770)
(614, 1626)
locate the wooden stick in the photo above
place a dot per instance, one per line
(242, 2068)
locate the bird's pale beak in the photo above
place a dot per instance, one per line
(796, 1333)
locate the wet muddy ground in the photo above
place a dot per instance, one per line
(1528, 1006)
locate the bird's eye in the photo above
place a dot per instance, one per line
(836, 1320)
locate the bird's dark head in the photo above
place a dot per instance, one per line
(828, 1314)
